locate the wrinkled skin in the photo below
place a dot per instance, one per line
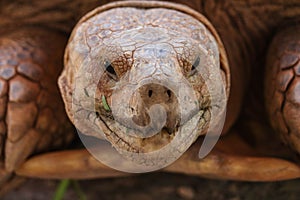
(245, 27)
(136, 63)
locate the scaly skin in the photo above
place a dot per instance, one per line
(32, 117)
(282, 85)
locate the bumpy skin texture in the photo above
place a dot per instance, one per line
(32, 117)
(282, 85)
(159, 46)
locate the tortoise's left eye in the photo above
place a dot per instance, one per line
(194, 66)
(110, 70)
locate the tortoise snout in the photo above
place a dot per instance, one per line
(152, 94)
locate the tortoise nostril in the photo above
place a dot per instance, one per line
(169, 93)
(150, 93)
(132, 109)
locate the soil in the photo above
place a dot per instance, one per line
(161, 186)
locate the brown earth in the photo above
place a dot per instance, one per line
(161, 186)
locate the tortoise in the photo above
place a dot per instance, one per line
(127, 63)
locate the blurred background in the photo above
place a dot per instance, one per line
(161, 186)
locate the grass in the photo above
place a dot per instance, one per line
(63, 186)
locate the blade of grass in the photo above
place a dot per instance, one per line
(61, 189)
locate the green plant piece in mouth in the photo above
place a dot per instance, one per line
(105, 104)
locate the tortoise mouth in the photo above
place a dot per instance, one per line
(155, 152)
(119, 151)
(122, 139)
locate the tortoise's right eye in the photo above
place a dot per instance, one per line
(110, 70)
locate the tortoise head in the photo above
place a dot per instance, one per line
(147, 80)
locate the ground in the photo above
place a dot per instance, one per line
(162, 186)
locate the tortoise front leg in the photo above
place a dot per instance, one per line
(232, 158)
(282, 85)
(32, 117)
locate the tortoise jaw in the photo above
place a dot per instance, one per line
(131, 154)
(157, 141)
